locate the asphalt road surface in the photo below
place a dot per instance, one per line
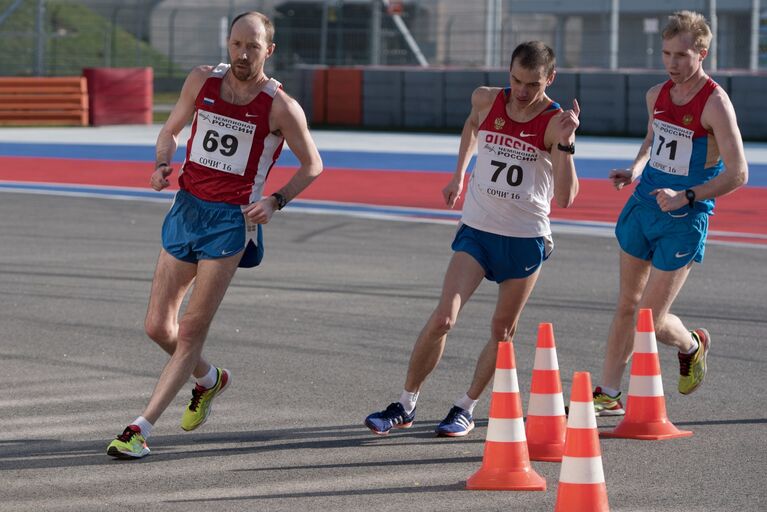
(316, 339)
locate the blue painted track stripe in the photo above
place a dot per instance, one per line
(333, 159)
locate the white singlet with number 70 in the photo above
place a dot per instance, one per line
(505, 167)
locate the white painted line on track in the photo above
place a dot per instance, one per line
(377, 212)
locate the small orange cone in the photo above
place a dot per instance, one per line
(506, 462)
(646, 404)
(581, 478)
(546, 421)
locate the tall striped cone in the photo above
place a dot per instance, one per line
(581, 478)
(506, 462)
(646, 404)
(546, 421)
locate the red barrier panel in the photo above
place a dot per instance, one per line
(120, 95)
(319, 87)
(344, 96)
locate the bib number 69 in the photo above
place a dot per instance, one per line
(211, 142)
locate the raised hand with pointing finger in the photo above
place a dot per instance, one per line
(568, 122)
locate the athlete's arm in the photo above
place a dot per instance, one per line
(623, 177)
(561, 130)
(288, 119)
(167, 139)
(481, 100)
(719, 117)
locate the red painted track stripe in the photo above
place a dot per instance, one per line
(744, 211)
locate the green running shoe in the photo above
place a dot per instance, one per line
(199, 408)
(129, 445)
(606, 405)
(692, 367)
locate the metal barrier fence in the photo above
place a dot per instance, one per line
(60, 37)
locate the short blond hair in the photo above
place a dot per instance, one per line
(689, 22)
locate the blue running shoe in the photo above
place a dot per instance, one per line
(457, 423)
(393, 417)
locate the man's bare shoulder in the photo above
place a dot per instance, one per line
(720, 96)
(284, 103)
(197, 76)
(201, 72)
(484, 96)
(718, 106)
(653, 92)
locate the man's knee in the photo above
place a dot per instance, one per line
(627, 304)
(159, 332)
(191, 333)
(441, 323)
(502, 329)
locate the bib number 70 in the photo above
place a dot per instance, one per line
(513, 174)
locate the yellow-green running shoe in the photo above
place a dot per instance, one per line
(692, 367)
(129, 445)
(199, 408)
(606, 405)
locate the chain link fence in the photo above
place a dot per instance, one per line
(60, 37)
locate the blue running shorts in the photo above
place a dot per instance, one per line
(669, 242)
(503, 257)
(195, 230)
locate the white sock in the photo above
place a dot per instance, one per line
(467, 403)
(408, 400)
(142, 423)
(209, 379)
(610, 391)
(694, 346)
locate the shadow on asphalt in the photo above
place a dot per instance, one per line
(458, 486)
(17, 454)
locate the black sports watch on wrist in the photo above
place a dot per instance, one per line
(570, 148)
(281, 201)
(690, 195)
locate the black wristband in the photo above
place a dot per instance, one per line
(161, 164)
(690, 195)
(567, 149)
(281, 201)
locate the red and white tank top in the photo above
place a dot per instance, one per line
(512, 185)
(231, 149)
(684, 154)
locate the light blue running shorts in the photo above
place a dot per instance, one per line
(195, 229)
(670, 242)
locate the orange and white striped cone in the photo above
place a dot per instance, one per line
(646, 404)
(581, 478)
(546, 421)
(506, 462)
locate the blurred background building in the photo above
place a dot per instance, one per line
(51, 37)
(398, 64)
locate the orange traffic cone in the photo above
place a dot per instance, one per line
(581, 478)
(646, 405)
(506, 462)
(546, 420)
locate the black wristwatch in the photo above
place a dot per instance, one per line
(690, 195)
(570, 148)
(281, 201)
